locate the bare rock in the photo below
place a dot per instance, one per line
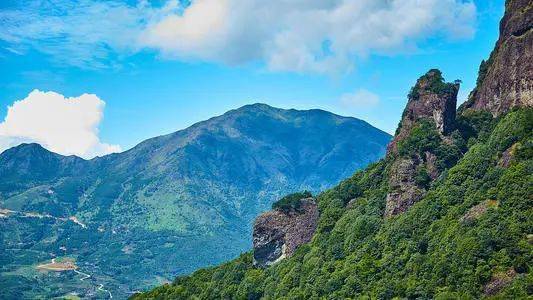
(351, 204)
(431, 165)
(404, 190)
(498, 282)
(529, 238)
(277, 234)
(507, 156)
(430, 98)
(506, 79)
(476, 211)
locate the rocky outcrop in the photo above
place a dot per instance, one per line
(277, 234)
(476, 211)
(507, 156)
(404, 191)
(506, 79)
(430, 98)
(498, 282)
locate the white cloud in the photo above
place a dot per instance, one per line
(320, 36)
(62, 125)
(361, 99)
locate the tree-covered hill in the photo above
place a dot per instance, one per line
(471, 231)
(447, 214)
(170, 205)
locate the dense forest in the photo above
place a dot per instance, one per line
(470, 230)
(447, 214)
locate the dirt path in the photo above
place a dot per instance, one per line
(86, 276)
(100, 286)
(4, 213)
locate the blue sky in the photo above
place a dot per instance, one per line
(155, 75)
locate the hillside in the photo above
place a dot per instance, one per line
(447, 214)
(168, 206)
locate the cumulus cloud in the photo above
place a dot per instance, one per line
(360, 99)
(320, 36)
(62, 125)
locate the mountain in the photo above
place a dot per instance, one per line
(447, 214)
(505, 78)
(169, 205)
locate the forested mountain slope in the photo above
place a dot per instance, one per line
(447, 214)
(168, 206)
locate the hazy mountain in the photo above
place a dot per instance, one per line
(169, 205)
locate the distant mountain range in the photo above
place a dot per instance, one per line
(168, 206)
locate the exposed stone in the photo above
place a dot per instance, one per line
(430, 98)
(431, 165)
(529, 238)
(506, 79)
(498, 282)
(507, 156)
(351, 204)
(404, 190)
(278, 234)
(476, 211)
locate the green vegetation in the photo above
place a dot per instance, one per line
(425, 138)
(170, 205)
(291, 201)
(426, 252)
(436, 84)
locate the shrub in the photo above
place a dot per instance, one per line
(291, 202)
(423, 137)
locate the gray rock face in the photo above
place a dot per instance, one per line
(506, 79)
(431, 165)
(498, 282)
(404, 190)
(278, 234)
(430, 98)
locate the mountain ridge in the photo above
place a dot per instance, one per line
(447, 214)
(196, 190)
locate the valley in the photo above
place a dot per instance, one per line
(168, 206)
(446, 214)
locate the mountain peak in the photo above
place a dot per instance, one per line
(26, 148)
(257, 105)
(255, 108)
(505, 80)
(430, 98)
(32, 159)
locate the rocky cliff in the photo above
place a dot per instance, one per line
(506, 78)
(404, 191)
(469, 237)
(277, 233)
(505, 81)
(431, 100)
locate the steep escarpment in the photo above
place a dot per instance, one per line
(278, 233)
(427, 121)
(430, 98)
(506, 78)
